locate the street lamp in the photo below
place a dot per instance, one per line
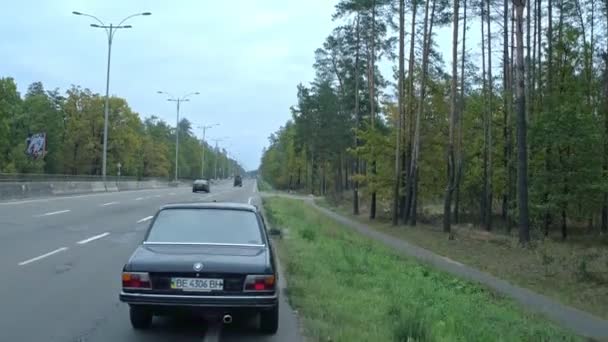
(217, 151)
(203, 148)
(110, 31)
(177, 100)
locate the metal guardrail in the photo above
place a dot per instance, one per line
(42, 177)
(45, 177)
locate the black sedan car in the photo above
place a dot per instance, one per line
(200, 185)
(210, 259)
(238, 181)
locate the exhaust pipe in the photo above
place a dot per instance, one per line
(227, 319)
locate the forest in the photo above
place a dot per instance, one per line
(73, 122)
(511, 133)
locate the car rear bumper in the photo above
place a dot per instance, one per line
(229, 302)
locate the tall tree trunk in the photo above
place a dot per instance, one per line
(605, 161)
(522, 150)
(512, 49)
(539, 42)
(357, 169)
(489, 194)
(415, 201)
(372, 105)
(507, 101)
(532, 70)
(410, 118)
(512, 171)
(346, 178)
(428, 30)
(549, 106)
(459, 155)
(528, 61)
(587, 60)
(591, 54)
(604, 111)
(299, 177)
(484, 89)
(565, 194)
(447, 206)
(339, 182)
(401, 113)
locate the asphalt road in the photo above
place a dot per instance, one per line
(60, 262)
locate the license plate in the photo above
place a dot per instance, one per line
(197, 284)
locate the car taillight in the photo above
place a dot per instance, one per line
(136, 280)
(260, 283)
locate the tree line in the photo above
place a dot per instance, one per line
(73, 122)
(513, 133)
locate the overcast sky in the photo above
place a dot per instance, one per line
(245, 57)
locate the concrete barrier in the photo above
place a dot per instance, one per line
(98, 187)
(128, 185)
(70, 188)
(37, 189)
(20, 190)
(12, 190)
(110, 186)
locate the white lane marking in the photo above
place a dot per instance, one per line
(172, 194)
(139, 198)
(42, 256)
(213, 333)
(145, 219)
(157, 196)
(250, 200)
(56, 212)
(109, 203)
(255, 186)
(92, 238)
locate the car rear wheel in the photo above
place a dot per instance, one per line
(269, 320)
(141, 318)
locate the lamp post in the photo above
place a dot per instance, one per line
(217, 151)
(110, 31)
(203, 148)
(178, 101)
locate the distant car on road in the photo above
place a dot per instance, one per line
(214, 259)
(238, 181)
(200, 185)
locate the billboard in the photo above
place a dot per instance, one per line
(35, 145)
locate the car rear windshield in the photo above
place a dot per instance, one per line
(206, 226)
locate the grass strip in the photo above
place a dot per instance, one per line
(349, 288)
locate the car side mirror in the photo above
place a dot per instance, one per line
(275, 232)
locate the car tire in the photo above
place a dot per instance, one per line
(269, 321)
(141, 318)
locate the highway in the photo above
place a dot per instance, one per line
(61, 261)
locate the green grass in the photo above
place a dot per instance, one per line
(349, 288)
(572, 272)
(263, 185)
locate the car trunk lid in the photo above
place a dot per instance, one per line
(226, 262)
(180, 258)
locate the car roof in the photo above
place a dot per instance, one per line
(211, 205)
